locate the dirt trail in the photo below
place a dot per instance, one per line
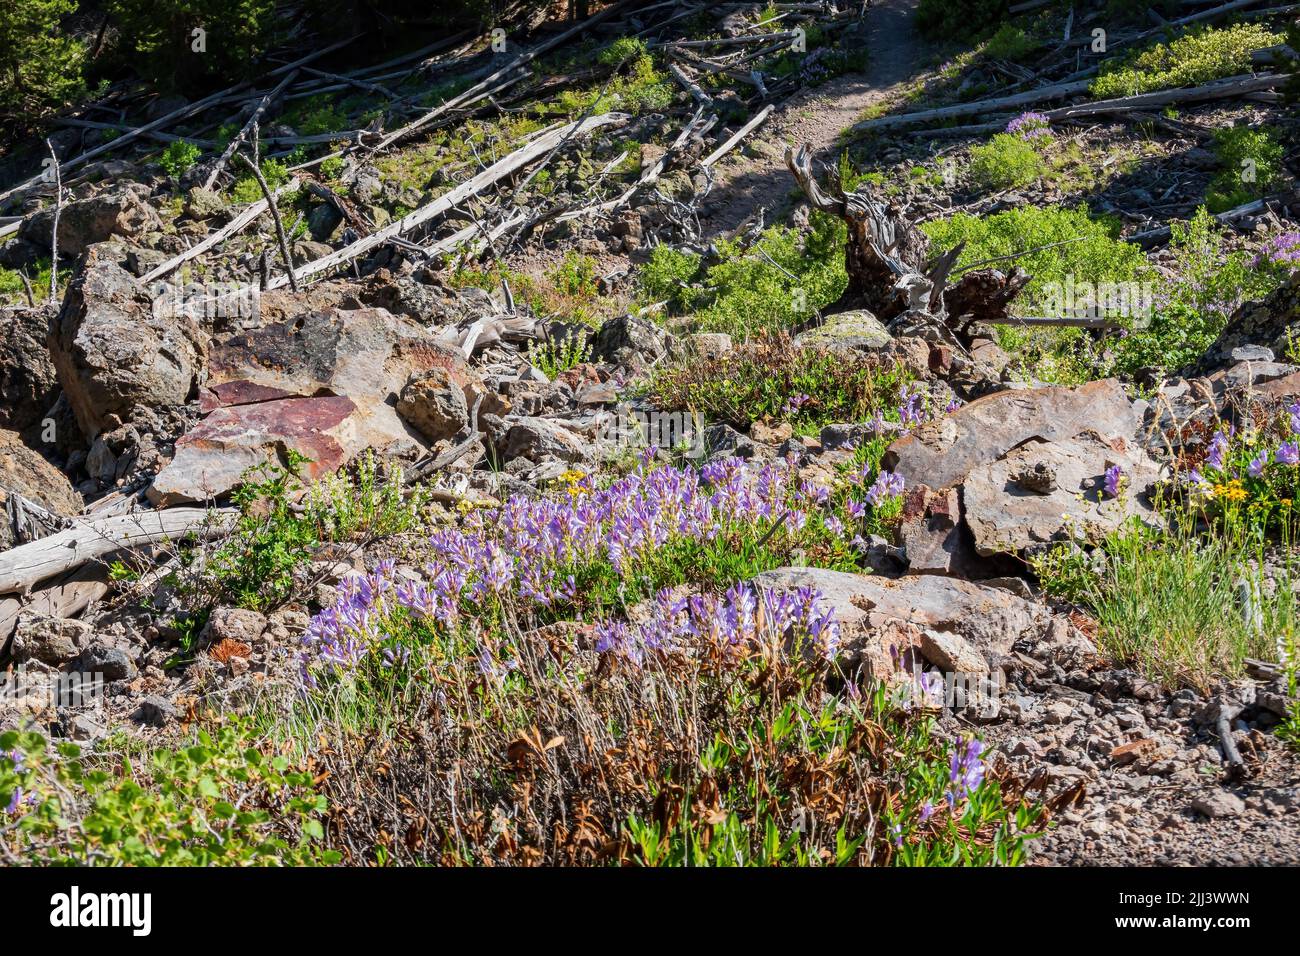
(817, 116)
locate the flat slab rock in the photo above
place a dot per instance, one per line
(324, 384)
(942, 452)
(1019, 503)
(884, 621)
(999, 475)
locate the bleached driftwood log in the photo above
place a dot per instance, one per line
(24, 567)
(453, 197)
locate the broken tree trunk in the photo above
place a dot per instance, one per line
(887, 261)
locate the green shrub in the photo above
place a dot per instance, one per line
(553, 356)
(1199, 56)
(1208, 284)
(219, 802)
(667, 277)
(179, 156)
(282, 522)
(771, 379)
(1252, 161)
(40, 65)
(1058, 244)
(1006, 161)
(247, 190)
(781, 280)
(1011, 43)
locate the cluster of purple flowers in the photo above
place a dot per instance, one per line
(886, 485)
(796, 402)
(742, 617)
(912, 411)
(528, 547)
(1030, 126)
(1113, 480)
(1281, 250)
(966, 770)
(17, 798)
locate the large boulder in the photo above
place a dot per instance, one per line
(26, 473)
(943, 451)
(29, 384)
(325, 384)
(117, 212)
(113, 353)
(630, 340)
(1019, 503)
(1273, 322)
(858, 330)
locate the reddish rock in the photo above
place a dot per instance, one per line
(324, 384)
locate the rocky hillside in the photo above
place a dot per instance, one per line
(673, 435)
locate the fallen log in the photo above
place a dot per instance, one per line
(1219, 89)
(250, 212)
(24, 567)
(1152, 236)
(67, 596)
(737, 136)
(472, 187)
(999, 104)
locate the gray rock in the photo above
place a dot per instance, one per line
(538, 438)
(944, 451)
(433, 403)
(156, 710)
(113, 353)
(951, 653)
(235, 624)
(858, 330)
(118, 212)
(1006, 518)
(112, 662)
(1218, 803)
(203, 203)
(29, 383)
(882, 619)
(630, 340)
(53, 641)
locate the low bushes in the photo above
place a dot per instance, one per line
(1199, 56)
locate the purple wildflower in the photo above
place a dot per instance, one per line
(1114, 478)
(1257, 464)
(1288, 453)
(795, 403)
(966, 769)
(887, 484)
(912, 411)
(1214, 457)
(1281, 250)
(1030, 126)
